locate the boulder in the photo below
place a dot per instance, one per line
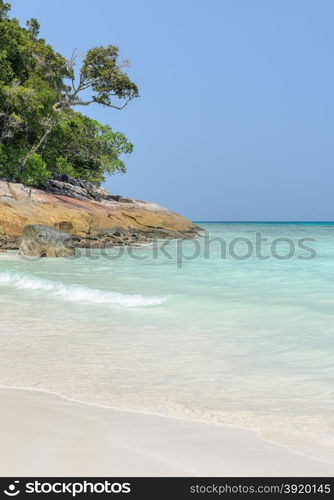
(44, 241)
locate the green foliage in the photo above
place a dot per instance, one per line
(35, 172)
(4, 9)
(62, 166)
(102, 73)
(40, 133)
(85, 149)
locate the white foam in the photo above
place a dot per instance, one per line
(76, 293)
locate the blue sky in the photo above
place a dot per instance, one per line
(235, 119)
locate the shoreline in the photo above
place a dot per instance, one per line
(45, 434)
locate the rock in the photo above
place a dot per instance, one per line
(111, 221)
(66, 185)
(44, 241)
(66, 189)
(9, 243)
(65, 226)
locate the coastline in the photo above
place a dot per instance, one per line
(88, 215)
(43, 434)
(101, 412)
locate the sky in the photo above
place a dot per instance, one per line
(235, 121)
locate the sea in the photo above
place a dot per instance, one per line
(234, 327)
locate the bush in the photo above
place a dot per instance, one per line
(34, 172)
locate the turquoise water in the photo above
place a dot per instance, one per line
(187, 331)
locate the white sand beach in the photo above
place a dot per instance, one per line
(178, 320)
(42, 434)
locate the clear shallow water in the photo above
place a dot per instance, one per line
(246, 342)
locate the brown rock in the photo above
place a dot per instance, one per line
(87, 219)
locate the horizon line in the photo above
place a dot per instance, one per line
(266, 221)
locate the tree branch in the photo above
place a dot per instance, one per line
(39, 144)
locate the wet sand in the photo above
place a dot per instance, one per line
(42, 434)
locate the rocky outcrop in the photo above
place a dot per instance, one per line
(89, 213)
(66, 185)
(43, 241)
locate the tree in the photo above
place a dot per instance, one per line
(38, 89)
(102, 75)
(85, 149)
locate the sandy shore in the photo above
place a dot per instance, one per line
(42, 435)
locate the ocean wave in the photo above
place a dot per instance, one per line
(76, 293)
